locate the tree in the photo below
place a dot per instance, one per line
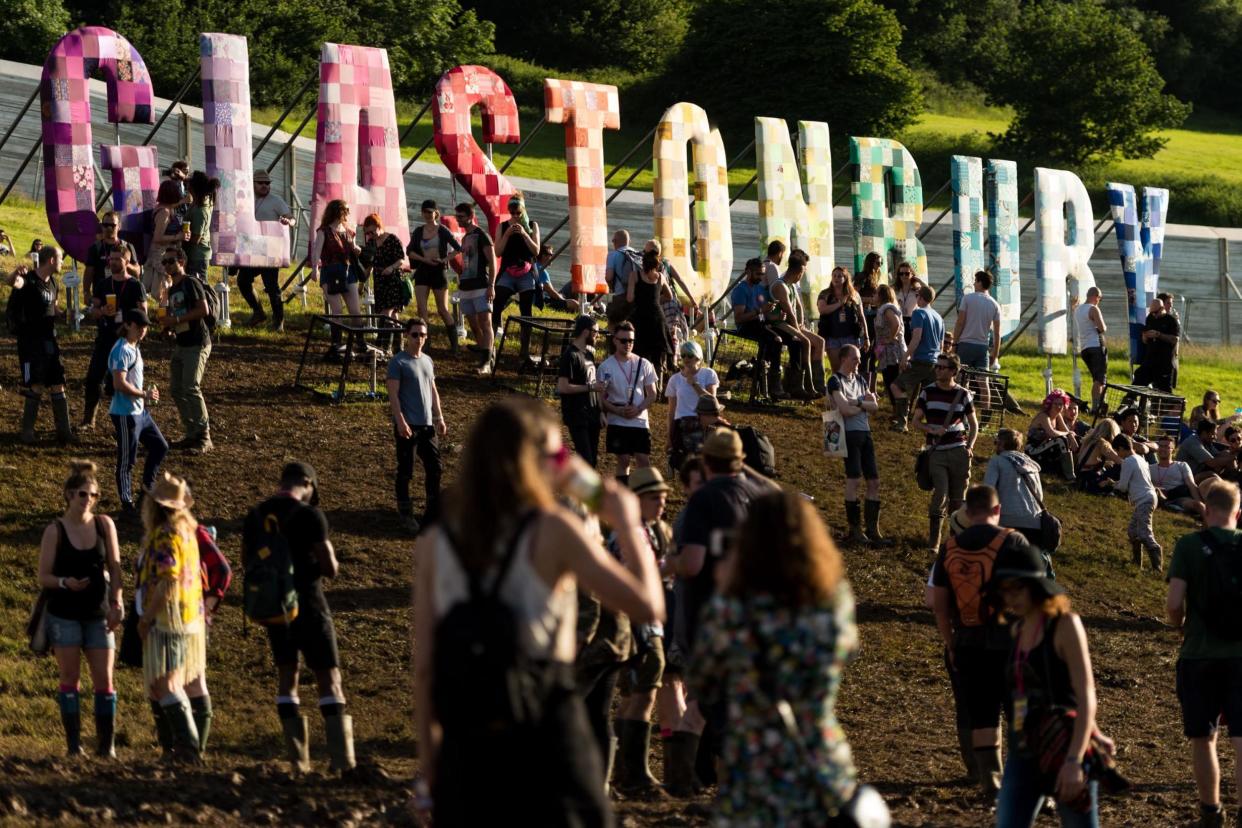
(826, 60)
(1195, 53)
(955, 39)
(30, 28)
(635, 35)
(1083, 86)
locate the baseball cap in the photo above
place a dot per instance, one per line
(298, 471)
(646, 481)
(136, 316)
(723, 443)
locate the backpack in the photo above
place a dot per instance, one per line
(482, 680)
(631, 261)
(217, 574)
(269, 594)
(1222, 590)
(758, 449)
(968, 571)
(213, 305)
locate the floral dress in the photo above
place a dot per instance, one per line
(378, 257)
(804, 649)
(177, 639)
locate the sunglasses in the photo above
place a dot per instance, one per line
(109, 224)
(944, 367)
(416, 334)
(169, 261)
(621, 341)
(83, 493)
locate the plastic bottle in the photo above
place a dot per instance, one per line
(585, 485)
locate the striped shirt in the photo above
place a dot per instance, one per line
(939, 408)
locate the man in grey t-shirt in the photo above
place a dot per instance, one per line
(978, 321)
(417, 421)
(848, 393)
(267, 207)
(1198, 452)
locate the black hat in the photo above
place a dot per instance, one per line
(297, 471)
(136, 316)
(1023, 563)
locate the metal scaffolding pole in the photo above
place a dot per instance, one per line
(525, 141)
(18, 119)
(296, 100)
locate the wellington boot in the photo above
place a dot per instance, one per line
(967, 749)
(792, 383)
(201, 709)
(89, 407)
(30, 413)
(454, 344)
(853, 517)
(635, 738)
(934, 525)
(1155, 556)
(184, 732)
(71, 718)
(680, 751)
(817, 376)
(60, 415)
(1067, 466)
(988, 769)
(1136, 553)
(297, 743)
(871, 513)
(340, 733)
(105, 725)
(901, 413)
(761, 380)
(774, 381)
(163, 731)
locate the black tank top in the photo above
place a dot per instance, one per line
(1045, 675)
(72, 562)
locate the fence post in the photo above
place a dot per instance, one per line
(1223, 259)
(184, 143)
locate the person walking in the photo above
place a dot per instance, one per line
(1203, 604)
(945, 412)
(1052, 701)
(291, 518)
(525, 556)
(429, 249)
(684, 389)
(417, 422)
(579, 388)
(267, 207)
(630, 389)
(1089, 321)
(1135, 483)
(32, 316)
(976, 641)
(131, 421)
(186, 317)
(477, 283)
(170, 603)
(197, 245)
(977, 330)
(848, 394)
(115, 293)
(918, 363)
(80, 569)
(779, 634)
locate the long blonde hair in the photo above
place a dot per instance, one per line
(1105, 430)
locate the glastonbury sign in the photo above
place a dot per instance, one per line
(358, 158)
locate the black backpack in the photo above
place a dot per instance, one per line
(1222, 590)
(213, 305)
(270, 597)
(758, 450)
(483, 681)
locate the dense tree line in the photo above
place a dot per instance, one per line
(1087, 80)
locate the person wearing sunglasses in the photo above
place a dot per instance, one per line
(114, 294)
(945, 411)
(80, 568)
(417, 421)
(267, 207)
(96, 262)
(579, 390)
(187, 309)
(630, 389)
(130, 419)
(429, 254)
(477, 283)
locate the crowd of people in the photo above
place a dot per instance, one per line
(596, 622)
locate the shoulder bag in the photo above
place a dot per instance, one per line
(922, 462)
(1049, 524)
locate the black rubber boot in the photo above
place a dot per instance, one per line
(901, 413)
(71, 718)
(871, 514)
(30, 413)
(853, 517)
(184, 733)
(967, 748)
(761, 379)
(774, 381)
(163, 731)
(635, 739)
(201, 709)
(1067, 466)
(680, 751)
(817, 376)
(105, 725)
(60, 415)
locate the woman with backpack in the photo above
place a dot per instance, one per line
(779, 633)
(80, 571)
(495, 613)
(429, 251)
(383, 254)
(170, 604)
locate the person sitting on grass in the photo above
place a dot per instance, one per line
(1128, 421)
(1209, 410)
(1049, 440)
(1072, 421)
(1205, 458)
(1136, 484)
(1098, 465)
(1174, 481)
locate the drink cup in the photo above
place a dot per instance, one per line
(110, 303)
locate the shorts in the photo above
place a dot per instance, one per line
(41, 364)
(430, 277)
(627, 440)
(312, 633)
(860, 458)
(517, 284)
(475, 301)
(837, 342)
(1096, 360)
(916, 376)
(89, 634)
(1206, 688)
(981, 682)
(644, 672)
(974, 355)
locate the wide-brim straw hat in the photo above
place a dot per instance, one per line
(172, 492)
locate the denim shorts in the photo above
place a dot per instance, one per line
(974, 355)
(475, 301)
(91, 634)
(516, 284)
